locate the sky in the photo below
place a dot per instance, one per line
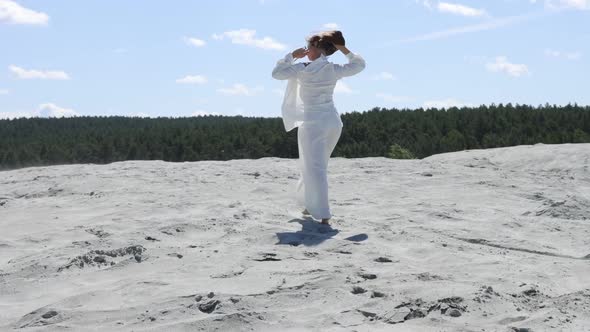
(189, 58)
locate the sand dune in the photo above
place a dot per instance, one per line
(482, 240)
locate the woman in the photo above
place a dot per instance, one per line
(308, 105)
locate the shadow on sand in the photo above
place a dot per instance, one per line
(312, 233)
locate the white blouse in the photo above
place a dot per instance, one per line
(308, 97)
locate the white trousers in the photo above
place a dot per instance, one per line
(316, 144)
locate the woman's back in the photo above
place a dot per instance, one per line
(316, 85)
(309, 95)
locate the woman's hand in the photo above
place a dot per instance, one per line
(299, 53)
(342, 49)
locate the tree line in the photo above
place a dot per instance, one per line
(377, 132)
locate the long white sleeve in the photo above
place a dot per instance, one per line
(285, 68)
(355, 65)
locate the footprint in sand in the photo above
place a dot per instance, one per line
(358, 290)
(268, 257)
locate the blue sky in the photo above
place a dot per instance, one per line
(183, 58)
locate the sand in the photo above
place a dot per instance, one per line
(480, 240)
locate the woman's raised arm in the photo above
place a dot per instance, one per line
(285, 68)
(355, 64)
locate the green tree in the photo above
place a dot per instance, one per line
(580, 136)
(397, 152)
(453, 141)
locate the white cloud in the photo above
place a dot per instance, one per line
(248, 37)
(3, 92)
(503, 65)
(446, 103)
(29, 74)
(14, 115)
(565, 55)
(13, 13)
(140, 115)
(552, 53)
(573, 56)
(239, 89)
(331, 26)
(46, 110)
(194, 41)
(567, 4)
(425, 3)
(203, 113)
(452, 8)
(342, 87)
(458, 9)
(384, 76)
(388, 97)
(490, 25)
(52, 110)
(196, 79)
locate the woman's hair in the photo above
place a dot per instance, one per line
(325, 41)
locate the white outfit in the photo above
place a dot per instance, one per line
(308, 104)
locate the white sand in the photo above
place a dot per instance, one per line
(500, 238)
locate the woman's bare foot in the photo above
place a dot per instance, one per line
(325, 221)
